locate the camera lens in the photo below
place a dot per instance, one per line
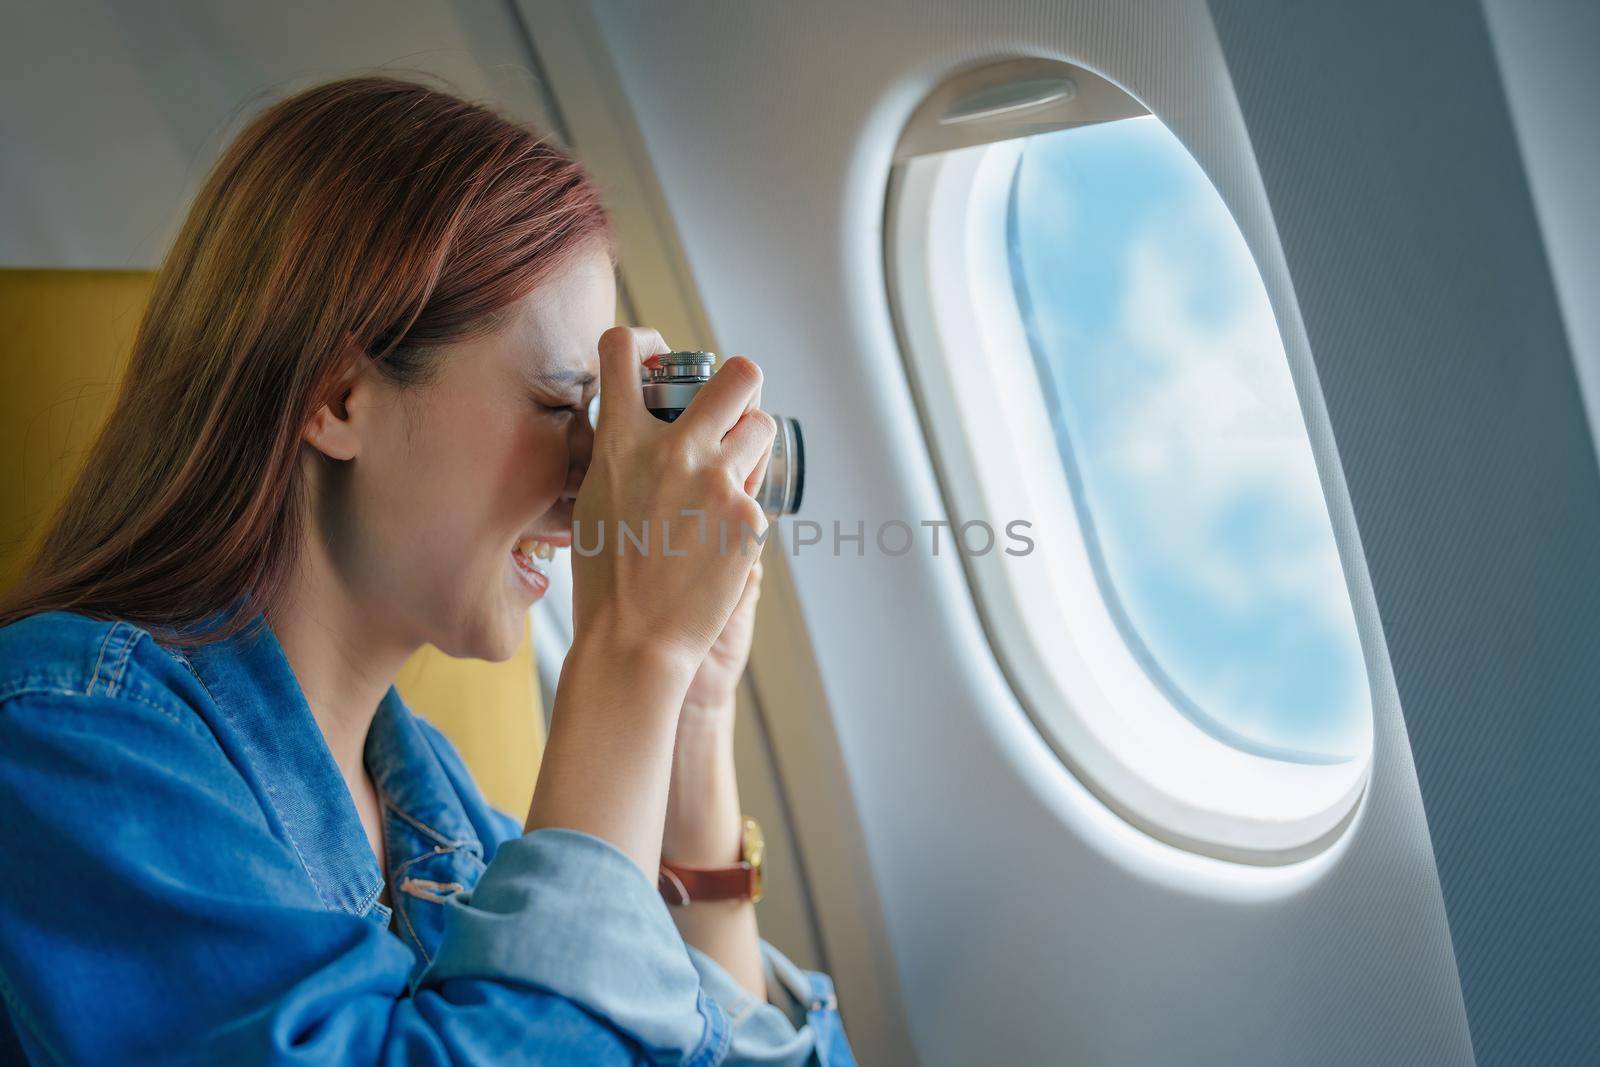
(785, 482)
(673, 382)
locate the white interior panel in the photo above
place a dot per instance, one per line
(128, 104)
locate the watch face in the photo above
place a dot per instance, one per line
(754, 843)
(755, 853)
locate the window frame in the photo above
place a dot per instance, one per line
(949, 279)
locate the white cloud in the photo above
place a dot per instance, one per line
(1212, 420)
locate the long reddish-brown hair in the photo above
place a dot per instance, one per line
(368, 215)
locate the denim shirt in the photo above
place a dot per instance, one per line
(188, 881)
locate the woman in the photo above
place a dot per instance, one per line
(354, 422)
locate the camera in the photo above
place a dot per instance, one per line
(673, 381)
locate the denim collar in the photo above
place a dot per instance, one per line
(255, 690)
(411, 780)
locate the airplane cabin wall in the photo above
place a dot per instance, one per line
(1546, 52)
(1027, 923)
(129, 103)
(1404, 203)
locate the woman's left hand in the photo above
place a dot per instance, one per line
(704, 818)
(703, 813)
(716, 683)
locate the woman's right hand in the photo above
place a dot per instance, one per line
(689, 484)
(644, 620)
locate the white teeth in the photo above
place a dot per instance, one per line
(526, 549)
(536, 551)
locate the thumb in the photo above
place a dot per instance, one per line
(621, 350)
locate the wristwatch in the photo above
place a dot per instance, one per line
(684, 885)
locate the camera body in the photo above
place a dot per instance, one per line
(673, 381)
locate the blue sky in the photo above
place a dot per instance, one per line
(1171, 386)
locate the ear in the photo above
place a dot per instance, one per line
(336, 428)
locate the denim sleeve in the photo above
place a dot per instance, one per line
(149, 914)
(798, 1024)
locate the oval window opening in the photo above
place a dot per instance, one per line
(1094, 350)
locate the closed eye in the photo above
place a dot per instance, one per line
(586, 409)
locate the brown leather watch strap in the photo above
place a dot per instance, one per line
(682, 885)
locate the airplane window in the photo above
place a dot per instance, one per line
(1176, 419)
(1095, 356)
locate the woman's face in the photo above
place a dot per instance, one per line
(453, 474)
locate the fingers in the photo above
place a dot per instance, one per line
(622, 348)
(721, 402)
(749, 444)
(752, 484)
(752, 588)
